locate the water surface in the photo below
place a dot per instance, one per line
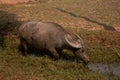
(111, 69)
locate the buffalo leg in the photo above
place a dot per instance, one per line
(59, 52)
(54, 53)
(24, 47)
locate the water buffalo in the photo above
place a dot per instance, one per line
(52, 37)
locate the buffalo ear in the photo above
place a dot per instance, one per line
(72, 42)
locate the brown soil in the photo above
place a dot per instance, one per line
(14, 1)
(117, 27)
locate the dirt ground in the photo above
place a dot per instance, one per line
(14, 1)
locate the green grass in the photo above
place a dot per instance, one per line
(76, 16)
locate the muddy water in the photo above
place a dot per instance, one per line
(111, 69)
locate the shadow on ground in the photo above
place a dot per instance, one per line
(63, 55)
(8, 23)
(106, 27)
